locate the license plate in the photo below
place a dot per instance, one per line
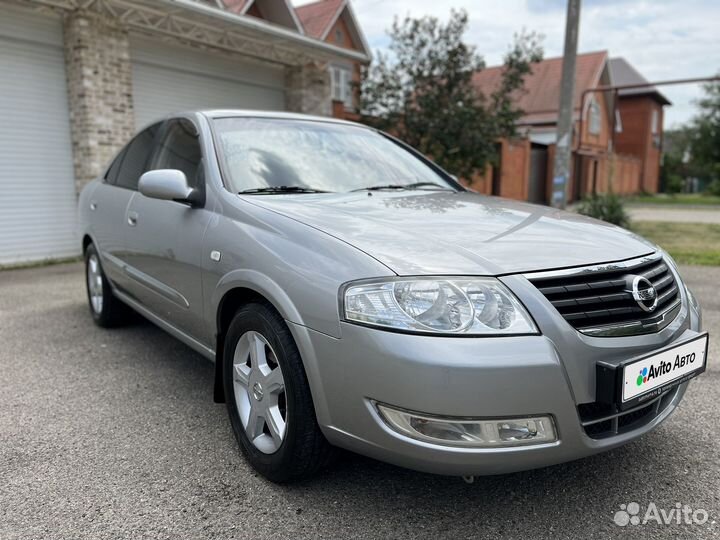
(650, 376)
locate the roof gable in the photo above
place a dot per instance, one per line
(279, 12)
(541, 96)
(319, 18)
(236, 6)
(622, 73)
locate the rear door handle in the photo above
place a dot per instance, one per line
(132, 218)
(93, 205)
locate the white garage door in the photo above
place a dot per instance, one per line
(37, 190)
(169, 78)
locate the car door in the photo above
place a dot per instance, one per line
(109, 203)
(164, 238)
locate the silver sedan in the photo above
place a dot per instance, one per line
(352, 294)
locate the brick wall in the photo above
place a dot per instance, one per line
(637, 139)
(99, 82)
(513, 171)
(97, 61)
(515, 168)
(339, 110)
(308, 89)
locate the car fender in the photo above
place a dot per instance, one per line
(270, 290)
(261, 284)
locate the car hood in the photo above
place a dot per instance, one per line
(458, 233)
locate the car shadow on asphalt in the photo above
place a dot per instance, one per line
(359, 484)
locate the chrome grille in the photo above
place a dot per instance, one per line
(598, 301)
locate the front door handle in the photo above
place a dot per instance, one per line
(132, 218)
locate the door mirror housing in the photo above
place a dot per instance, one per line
(168, 185)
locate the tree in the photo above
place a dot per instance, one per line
(705, 143)
(422, 92)
(676, 166)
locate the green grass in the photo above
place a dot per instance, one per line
(679, 199)
(687, 243)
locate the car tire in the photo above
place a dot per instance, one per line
(106, 309)
(285, 453)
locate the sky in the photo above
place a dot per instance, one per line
(662, 39)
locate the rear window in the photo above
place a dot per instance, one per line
(135, 158)
(112, 172)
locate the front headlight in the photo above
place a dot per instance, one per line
(464, 306)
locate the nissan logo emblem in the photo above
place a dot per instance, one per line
(643, 292)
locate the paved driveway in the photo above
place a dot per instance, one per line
(113, 434)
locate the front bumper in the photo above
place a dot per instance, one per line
(549, 374)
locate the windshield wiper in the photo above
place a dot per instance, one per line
(280, 189)
(414, 185)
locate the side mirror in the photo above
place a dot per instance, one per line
(168, 185)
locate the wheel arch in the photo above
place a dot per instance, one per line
(86, 241)
(234, 291)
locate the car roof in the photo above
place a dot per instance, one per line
(248, 113)
(242, 113)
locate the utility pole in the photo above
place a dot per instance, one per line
(563, 143)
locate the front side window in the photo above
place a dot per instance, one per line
(180, 149)
(264, 152)
(135, 158)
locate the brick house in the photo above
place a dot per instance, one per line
(79, 77)
(525, 169)
(641, 113)
(333, 21)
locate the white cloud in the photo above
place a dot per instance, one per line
(668, 39)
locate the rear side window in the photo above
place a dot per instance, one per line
(180, 149)
(112, 172)
(135, 158)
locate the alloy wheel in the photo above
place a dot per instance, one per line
(259, 390)
(95, 284)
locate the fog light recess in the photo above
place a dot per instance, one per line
(470, 432)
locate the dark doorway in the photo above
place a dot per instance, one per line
(497, 171)
(537, 188)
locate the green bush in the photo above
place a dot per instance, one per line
(674, 184)
(607, 207)
(714, 188)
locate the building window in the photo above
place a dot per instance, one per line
(341, 82)
(654, 122)
(594, 120)
(339, 37)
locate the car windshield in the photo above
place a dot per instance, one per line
(265, 155)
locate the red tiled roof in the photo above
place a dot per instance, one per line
(542, 87)
(316, 17)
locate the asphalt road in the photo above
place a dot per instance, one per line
(688, 214)
(113, 434)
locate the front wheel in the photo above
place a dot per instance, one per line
(106, 310)
(268, 397)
